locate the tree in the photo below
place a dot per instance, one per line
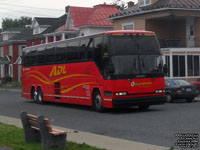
(119, 4)
(21, 22)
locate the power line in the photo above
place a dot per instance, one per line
(8, 15)
(31, 7)
(25, 12)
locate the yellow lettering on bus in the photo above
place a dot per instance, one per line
(56, 71)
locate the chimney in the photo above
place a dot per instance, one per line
(131, 4)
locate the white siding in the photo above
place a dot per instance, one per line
(93, 30)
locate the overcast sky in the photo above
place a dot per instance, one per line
(43, 8)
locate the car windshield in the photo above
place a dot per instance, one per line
(181, 82)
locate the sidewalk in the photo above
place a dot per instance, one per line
(100, 141)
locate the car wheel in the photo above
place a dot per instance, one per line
(189, 100)
(169, 98)
(40, 96)
(97, 101)
(143, 107)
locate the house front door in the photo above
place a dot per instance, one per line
(190, 31)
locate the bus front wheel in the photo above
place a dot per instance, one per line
(40, 96)
(97, 101)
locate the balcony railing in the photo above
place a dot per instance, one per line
(179, 43)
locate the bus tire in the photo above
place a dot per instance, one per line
(97, 101)
(40, 99)
(33, 94)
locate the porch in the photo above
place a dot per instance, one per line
(175, 29)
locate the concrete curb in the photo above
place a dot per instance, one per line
(12, 90)
(100, 141)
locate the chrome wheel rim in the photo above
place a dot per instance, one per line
(40, 97)
(98, 101)
(34, 96)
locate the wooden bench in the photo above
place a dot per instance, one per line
(38, 128)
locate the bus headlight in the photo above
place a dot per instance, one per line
(121, 93)
(159, 91)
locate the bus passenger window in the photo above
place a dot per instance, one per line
(61, 52)
(50, 54)
(97, 51)
(86, 48)
(73, 51)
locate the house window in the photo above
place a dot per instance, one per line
(10, 70)
(2, 71)
(167, 62)
(37, 30)
(20, 48)
(10, 50)
(178, 66)
(128, 26)
(145, 2)
(193, 65)
(2, 52)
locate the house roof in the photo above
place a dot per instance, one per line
(57, 24)
(26, 32)
(159, 5)
(18, 37)
(45, 21)
(96, 16)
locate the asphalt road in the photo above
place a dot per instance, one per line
(156, 126)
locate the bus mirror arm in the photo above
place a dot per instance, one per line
(110, 68)
(165, 68)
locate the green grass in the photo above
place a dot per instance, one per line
(13, 137)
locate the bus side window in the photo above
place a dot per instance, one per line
(30, 58)
(41, 57)
(73, 50)
(50, 54)
(61, 52)
(86, 48)
(97, 50)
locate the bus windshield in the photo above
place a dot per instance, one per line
(135, 54)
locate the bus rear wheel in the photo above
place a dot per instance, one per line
(33, 94)
(97, 101)
(40, 99)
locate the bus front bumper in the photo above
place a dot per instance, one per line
(139, 101)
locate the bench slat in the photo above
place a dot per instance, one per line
(35, 128)
(33, 123)
(32, 116)
(58, 133)
(32, 119)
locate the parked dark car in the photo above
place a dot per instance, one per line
(180, 89)
(197, 83)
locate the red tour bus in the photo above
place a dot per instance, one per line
(106, 70)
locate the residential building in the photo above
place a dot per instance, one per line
(86, 21)
(77, 21)
(13, 41)
(45, 30)
(177, 26)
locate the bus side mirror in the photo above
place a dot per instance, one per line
(165, 68)
(110, 68)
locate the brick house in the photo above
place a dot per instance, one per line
(10, 51)
(177, 26)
